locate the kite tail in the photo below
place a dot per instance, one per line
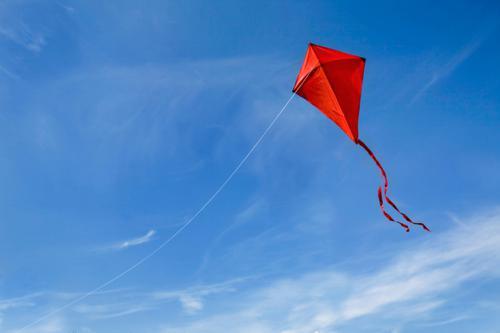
(387, 215)
(406, 217)
(383, 194)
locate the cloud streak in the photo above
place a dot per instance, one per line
(452, 64)
(192, 299)
(413, 286)
(148, 237)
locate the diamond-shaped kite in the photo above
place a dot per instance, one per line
(331, 80)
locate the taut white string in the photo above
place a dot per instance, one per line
(175, 234)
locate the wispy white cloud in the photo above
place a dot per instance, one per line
(54, 325)
(33, 301)
(66, 7)
(412, 286)
(117, 303)
(110, 310)
(447, 68)
(17, 303)
(192, 299)
(8, 73)
(134, 241)
(24, 36)
(140, 113)
(191, 304)
(446, 321)
(23, 301)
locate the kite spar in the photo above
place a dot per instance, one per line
(331, 80)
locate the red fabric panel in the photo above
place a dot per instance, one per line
(326, 54)
(346, 78)
(317, 90)
(310, 63)
(333, 85)
(332, 80)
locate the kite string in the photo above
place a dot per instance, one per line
(176, 233)
(382, 195)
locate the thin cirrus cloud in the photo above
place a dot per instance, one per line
(192, 299)
(447, 68)
(148, 237)
(110, 310)
(128, 302)
(54, 325)
(413, 288)
(24, 37)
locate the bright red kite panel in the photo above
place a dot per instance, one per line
(331, 81)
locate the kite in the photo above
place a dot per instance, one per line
(331, 80)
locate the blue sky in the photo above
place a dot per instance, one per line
(120, 119)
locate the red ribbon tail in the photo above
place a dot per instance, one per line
(383, 195)
(387, 215)
(406, 217)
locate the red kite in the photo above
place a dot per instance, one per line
(331, 81)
